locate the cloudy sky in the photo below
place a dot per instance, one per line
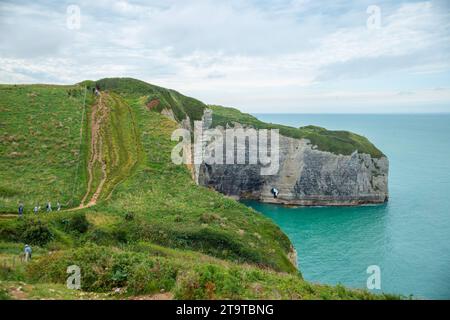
(261, 56)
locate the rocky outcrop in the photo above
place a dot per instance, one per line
(306, 177)
(167, 112)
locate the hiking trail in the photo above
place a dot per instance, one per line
(114, 148)
(98, 115)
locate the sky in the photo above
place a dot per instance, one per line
(279, 56)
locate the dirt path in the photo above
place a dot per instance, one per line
(157, 296)
(114, 148)
(99, 114)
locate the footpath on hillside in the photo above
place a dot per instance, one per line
(114, 148)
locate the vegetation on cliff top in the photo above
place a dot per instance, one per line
(157, 98)
(152, 229)
(339, 142)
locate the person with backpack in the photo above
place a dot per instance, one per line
(36, 209)
(275, 192)
(21, 210)
(27, 252)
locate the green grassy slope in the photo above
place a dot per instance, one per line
(157, 98)
(148, 269)
(339, 142)
(40, 147)
(152, 227)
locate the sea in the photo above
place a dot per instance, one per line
(406, 239)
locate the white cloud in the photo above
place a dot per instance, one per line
(248, 54)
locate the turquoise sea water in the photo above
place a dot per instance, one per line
(408, 238)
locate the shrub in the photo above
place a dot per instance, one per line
(103, 269)
(209, 282)
(4, 294)
(129, 216)
(188, 286)
(120, 234)
(152, 276)
(100, 237)
(209, 217)
(36, 233)
(14, 272)
(76, 223)
(10, 230)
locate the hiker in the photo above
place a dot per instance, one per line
(36, 209)
(49, 206)
(20, 210)
(58, 206)
(275, 192)
(27, 252)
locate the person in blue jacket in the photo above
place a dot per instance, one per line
(27, 252)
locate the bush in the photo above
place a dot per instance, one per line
(152, 276)
(36, 233)
(4, 295)
(100, 237)
(120, 234)
(10, 230)
(129, 216)
(209, 282)
(103, 269)
(188, 286)
(76, 223)
(14, 272)
(209, 218)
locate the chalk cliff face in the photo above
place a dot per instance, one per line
(306, 176)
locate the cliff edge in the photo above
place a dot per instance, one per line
(317, 167)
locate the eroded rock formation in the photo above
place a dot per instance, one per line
(306, 176)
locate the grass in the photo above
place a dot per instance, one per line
(123, 147)
(156, 97)
(339, 142)
(40, 145)
(153, 228)
(104, 269)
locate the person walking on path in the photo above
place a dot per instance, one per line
(20, 210)
(36, 209)
(275, 192)
(49, 206)
(27, 252)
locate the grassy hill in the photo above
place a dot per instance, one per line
(42, 153)
(132, 219)
(156, 98)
